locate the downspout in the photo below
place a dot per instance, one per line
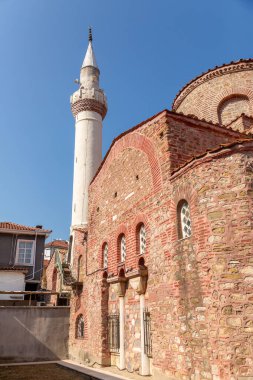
(34, 257)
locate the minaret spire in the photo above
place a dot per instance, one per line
(90, 59)
(90, 34)
(89, 108)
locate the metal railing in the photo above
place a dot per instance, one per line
(147, 333)
(113, 332)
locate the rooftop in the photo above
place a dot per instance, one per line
(226, 68)
(10, 226)
(63, 244)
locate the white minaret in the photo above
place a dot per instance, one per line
(89, 107)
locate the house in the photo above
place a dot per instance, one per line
(21, 258)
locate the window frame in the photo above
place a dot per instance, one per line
(105, 245)
(17, 262)
(180, 205)
(121, 237)
(78, 320)
(139, 250)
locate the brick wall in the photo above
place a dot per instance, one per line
(190, 281)
(188, 138)
(204, 96)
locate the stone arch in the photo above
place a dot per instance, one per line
(136, 141)
(187, 193)
(138, 221)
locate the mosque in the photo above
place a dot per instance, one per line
(161, 235)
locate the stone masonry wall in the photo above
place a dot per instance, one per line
(215, 268)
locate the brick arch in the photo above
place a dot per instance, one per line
(101, 253)
(135, 141)
(230, 93)
(184, 192)
(200, 224)
(77, 314)
(139, 219)
(121, 230)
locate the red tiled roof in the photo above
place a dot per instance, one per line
(20, 227)
(57, 244)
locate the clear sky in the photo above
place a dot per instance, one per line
(146, 51)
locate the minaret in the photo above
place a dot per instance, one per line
(89, 107)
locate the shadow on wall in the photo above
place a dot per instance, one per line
(191, 299)
(33, 333)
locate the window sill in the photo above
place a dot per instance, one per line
(182, 239)
(23, 265)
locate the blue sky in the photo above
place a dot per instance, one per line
(146, 51)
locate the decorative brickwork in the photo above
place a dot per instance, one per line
(88, 105)
(204, 96)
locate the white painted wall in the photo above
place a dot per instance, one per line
(47, 253)
(88, 156)
(12, 280)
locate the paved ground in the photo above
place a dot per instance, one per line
(105, 373)
(41, 372)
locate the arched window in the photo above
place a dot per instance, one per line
(184, 219)
(142, 239)
(105, 255)
(80, 327)
(122, 247)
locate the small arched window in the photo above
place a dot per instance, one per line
(105, 255)
(184, 219)
(142, 239)
(122, 248)
(80, 327)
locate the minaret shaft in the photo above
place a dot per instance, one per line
(89, 107)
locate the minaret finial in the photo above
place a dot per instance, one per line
(90, 34)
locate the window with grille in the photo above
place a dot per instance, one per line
(142, 239)
(105, 256)
(25, 252)
(113, 332)
(147, 333)
(80, 327)
(123, 248)
(185, 220)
